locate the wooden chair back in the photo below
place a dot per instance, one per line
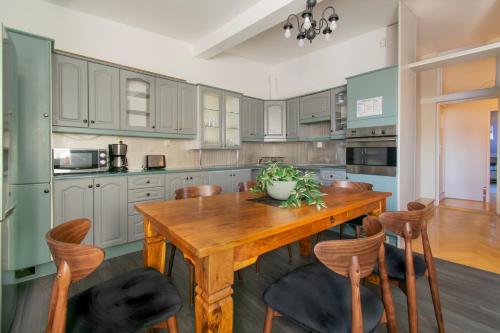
(360, 186)
(197, 191)
(337, 254)
(247, 186)
(408, 224)
(74, 261)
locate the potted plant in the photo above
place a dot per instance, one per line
(287, 184)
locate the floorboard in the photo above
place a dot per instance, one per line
(469, 296)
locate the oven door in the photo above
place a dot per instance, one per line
(373, 156)
(75, 160)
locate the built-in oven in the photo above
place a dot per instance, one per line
(372, 151)
(76, 160)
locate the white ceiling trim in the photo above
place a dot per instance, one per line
(258, 18)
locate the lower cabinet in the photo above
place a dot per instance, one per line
(229, 179)
(102, 200)
(380, 183)
(176, 181)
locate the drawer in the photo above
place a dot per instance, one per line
(135, 228)
(146, 181)
(146, 194)
(131, 209)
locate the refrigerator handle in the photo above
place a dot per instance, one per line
(8, 212)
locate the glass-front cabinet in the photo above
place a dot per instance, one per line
(339, 112)
(137, 101)
(220, 118)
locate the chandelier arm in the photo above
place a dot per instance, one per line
(299, 27)
(329, 7)
(320, 25)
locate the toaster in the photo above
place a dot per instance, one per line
(155, 162)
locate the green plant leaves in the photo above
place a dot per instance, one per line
(307, 189)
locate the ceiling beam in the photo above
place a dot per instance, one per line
(256, 19)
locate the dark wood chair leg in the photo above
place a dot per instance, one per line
(171, 260)
(341, 231)
(318, 236)
(290, 254)
(191, 284)
(411, 286)
(240, 276)
(268, 323)
(172, 325)
(257, 265)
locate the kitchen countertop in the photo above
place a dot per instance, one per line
(140, 172)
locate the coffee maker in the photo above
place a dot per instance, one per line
(118, 157)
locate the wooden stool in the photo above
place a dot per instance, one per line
(317, 295)
(404, 267)
(107, 306)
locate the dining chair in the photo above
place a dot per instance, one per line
(187, 193)
(404, 267)
(139, 299)
(246, 187)
(357, 222)
(327, 296)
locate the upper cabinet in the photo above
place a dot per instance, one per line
(315, 107)
(187, 109)
(104, 103)
(274, 121)
(70, 91)
(338, 113)
(292, 118)
(220, 118)
(252, 119)
(372, 98)
(137, 96)
(166, 106)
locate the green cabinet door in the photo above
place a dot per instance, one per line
(137, 101)
(258, 113)
(166, 106)
(74, 199)
(315, 107)
(240, 176)
(173, 182)
(187, 109)
(70, 91)
(223, 179)
(104, 96)
(29, 125)
(110, 211)
(292, 118)
(247, 119)
(26, 227)
(380, 83)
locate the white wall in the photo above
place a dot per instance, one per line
(330, 66)
(100, 38)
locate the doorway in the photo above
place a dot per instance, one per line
(467, 155)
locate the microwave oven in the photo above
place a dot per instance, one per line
(77, 160)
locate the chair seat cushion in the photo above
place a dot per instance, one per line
(320, 300)
(395, 263)
(132, 301)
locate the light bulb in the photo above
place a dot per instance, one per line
(333, 25)
(301, 42)
(288, 33)
(307, 23)
(327, 37)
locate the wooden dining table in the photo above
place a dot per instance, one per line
(221, 234)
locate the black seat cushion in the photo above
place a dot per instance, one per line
(320, 300)
(127, 303)
(395, 263)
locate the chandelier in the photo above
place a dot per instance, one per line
(310, 28)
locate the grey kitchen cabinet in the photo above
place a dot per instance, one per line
(110, 211)
(315, 107)
(148, 193)
(166, 106)
(104, 96)
(247, 118)
(145, 181)
(187, 108)
(137, 101)
(175, 181)
(252, 119)
(258, 111)
(135, 227)
(229, 179)
(338, 122)
(292, 118)
(197, 178)
(73, 199)
(70, 91)
(275, 120)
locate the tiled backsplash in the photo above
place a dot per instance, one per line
(182, 153)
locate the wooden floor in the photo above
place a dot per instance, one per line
(470, 297)
(465, 236)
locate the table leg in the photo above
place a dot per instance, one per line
(155, 247)
(213, 302)
(305, 246)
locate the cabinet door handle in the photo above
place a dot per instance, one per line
(153, 126)
(45, 115)
(147, 194)
(147, 181)
(46, 190)
(97, 185)
(85, 121)
(92, 122)
(90, 186)
(180, 129)
(191, 178)
(187, 178)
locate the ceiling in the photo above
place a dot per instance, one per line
(356, 18)
(450, 24)
(185, 20)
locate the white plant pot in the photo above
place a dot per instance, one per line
(281, 190)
